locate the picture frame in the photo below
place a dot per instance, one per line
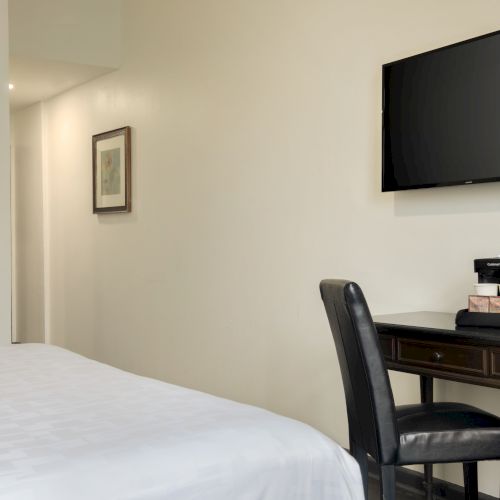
(111, 171)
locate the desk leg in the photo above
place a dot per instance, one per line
(426, 389)
(427, 396)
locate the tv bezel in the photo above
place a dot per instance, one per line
(434, 184)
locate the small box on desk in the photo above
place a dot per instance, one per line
(494, 305)
(479, 303)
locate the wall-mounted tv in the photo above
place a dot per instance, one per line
(441, 116)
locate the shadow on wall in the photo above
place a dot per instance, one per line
(470, 199)
(117, 219)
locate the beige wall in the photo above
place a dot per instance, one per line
(256, 173)
(5, 250)
(27, 234)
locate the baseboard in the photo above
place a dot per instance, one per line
(412, 482)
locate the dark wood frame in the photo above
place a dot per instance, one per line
(126, 132)
(484, 343)
(443, 343)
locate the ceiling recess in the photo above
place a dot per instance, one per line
(58, 44)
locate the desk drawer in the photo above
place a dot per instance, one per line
(388, 345)
(444, 357)
(495, 363)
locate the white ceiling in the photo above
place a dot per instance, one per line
(36, 80)
(58, 44)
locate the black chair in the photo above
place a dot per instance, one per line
(411, 434)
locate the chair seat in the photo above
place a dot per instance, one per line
(446, 432)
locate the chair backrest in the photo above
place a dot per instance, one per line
(369, 398)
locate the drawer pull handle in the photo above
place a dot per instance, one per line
(437, 356)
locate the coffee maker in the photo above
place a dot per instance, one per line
(488, 270)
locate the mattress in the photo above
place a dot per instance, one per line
(72, 428)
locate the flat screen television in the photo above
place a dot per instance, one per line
(441, 116)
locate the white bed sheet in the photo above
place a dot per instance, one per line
(72, 428)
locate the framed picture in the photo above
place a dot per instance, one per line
(111, 171)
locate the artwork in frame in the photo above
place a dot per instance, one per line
(111, 171)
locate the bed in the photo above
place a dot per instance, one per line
(72, 428)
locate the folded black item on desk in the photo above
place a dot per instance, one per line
(486, 320)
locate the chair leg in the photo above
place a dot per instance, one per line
(470, 481)
(428, 481)
(361, 457)
(387, 482)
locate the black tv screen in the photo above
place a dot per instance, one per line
(441, 116)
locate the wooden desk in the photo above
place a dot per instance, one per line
(430, 345)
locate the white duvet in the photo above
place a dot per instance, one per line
(72, 428)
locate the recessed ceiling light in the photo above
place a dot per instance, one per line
(11, 86)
